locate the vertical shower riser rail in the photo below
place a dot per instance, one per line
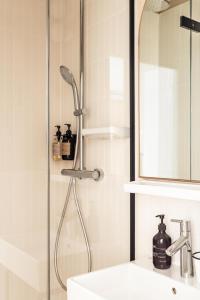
(82, 17)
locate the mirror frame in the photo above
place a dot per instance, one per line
(132, 123)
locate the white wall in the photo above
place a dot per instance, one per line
(147, 207)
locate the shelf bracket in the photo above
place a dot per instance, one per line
(189, 24)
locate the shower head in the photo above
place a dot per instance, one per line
(69, 78)
(157, 6)
(67, 75)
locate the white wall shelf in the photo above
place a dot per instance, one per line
(107, 132)
(164, 189)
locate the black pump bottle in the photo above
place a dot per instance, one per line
(161, 241)
(68, 144)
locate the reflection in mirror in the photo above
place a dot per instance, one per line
(195, 96)
(164, 88)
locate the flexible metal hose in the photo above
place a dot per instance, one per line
(72, 183)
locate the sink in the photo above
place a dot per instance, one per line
(132, 281)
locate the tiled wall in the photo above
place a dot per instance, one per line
(147, 207)
(104, 205)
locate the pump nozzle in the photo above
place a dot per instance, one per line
(161, 217)
(68, 132)
(58, 133)
(161, 226)
(68, 126)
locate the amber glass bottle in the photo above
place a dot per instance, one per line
(57, 151)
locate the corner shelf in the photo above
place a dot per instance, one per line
(106, 132)
(164, 189)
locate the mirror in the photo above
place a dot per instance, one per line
(169, 90)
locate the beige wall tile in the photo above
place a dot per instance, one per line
(23, 151)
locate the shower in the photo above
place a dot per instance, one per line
(69, 78)
(76, 172)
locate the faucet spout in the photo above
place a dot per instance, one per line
(177, 245)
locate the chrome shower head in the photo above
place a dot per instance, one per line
(69, 78)
(157, 6)
(67, 75)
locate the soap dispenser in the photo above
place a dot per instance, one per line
(57, 151)
(161, 241)
(68, 144)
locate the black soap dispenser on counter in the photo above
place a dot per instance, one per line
(68, 144)
(161, 241)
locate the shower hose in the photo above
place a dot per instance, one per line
(72, 187)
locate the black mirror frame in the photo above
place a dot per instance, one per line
(132, 125)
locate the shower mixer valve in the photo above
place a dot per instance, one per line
(97, 174)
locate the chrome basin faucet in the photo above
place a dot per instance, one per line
(184, 244)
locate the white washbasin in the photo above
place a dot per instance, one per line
(132, 282)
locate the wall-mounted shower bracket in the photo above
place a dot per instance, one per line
(79, 112)
(97, 174)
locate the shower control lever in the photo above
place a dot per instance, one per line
(97, 174)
